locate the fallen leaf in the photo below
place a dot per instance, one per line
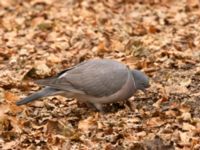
(87, 124)
(188, 127)
(155, 122)
(42, 69)
(59, 128)
(10, 97)
(49, 2)
(185, 137)
(193, 3)
(186, 116)
(10, 145)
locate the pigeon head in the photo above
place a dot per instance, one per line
(141, 80)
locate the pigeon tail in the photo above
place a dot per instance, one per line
(42, 93)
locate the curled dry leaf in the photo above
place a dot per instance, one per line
(186, 116)
(155, 122)
(10, 145)
(53, 59)
(188, 127)
(184, 108)
(87, 124)
(42, 69)
(185, 138)
(186, 82)
(158, 103)
(59, 128)
(42, 36)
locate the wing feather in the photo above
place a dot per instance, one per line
(95, 77)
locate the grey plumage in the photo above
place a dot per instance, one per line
(95, 81)
(47, 91)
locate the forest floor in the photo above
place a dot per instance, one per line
(39, 38)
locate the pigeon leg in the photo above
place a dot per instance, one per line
(98, 106)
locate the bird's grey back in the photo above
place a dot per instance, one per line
(100, 77)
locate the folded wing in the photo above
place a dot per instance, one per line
(96, 78)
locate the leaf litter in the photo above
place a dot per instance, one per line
(39, 38)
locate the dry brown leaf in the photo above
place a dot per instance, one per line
(8, 3)
(186, 116)
(188, 127)
(14, 109)
(176, 89)
(10, 145)
(3, 117)
(141, 134)
(116, 45)
(171, 113)
(42, 69)
(152, 29)
(59, 128)
(10, 97)
(42, 37)
(102, 47)
(155, 122)
(193, 3)
(7, 122)
(184, 108)
(186, 82)
(49, 2)
(53, 59)
(87, 124)
(185, 137)
(158, 103)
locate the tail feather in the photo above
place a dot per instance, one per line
(35, 96)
